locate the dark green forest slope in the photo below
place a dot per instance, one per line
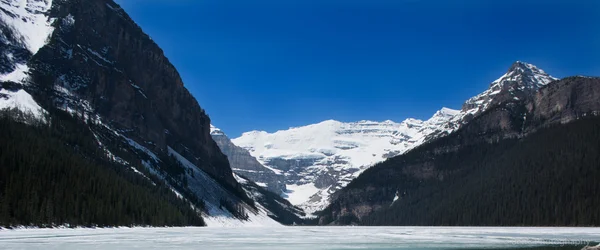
(549, 178)
(55, 174)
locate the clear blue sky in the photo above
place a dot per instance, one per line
(269, 65)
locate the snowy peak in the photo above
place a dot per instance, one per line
(437, 124)
(443, 115)
(215, 131)
(324, 137)
(317, 160)
(520, 79)
(446, 112)
(520, 82)
(527, 75)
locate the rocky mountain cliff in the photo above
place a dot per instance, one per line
(89, 58)
(524, 107)
(246, 165)
(99, 61)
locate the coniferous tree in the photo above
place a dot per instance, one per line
(549, 178)
(54, 174)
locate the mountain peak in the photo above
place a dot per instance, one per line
(521, 64)
(520, 80)
(446, 112)
(215, 131)
(442, 116)
(525, 75)
(524, 66)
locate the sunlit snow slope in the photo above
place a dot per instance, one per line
(25, 29)
(319, 159)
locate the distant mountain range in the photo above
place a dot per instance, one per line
(317, 160)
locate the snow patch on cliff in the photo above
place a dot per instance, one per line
(18, 75)
(29, 20)
(22, 101)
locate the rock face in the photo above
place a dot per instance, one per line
(89, 58)
(319, 159)
(246, 165)
(99, 62)
(567, 100)
(520, 103)
(560, 102)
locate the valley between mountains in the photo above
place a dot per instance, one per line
(99, 130)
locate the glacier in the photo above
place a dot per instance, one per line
(319, 159)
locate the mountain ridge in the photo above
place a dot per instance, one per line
(276, 150)
(397, 135)
(455, 160)
(521, 80)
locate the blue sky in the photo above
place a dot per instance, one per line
(270, 65)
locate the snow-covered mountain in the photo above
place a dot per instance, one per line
(520, 81)
(319, 159)
(521, 78)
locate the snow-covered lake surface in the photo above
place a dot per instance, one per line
(300, 238)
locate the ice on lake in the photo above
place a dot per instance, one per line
(300, 238)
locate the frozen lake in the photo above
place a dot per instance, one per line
(301, 238)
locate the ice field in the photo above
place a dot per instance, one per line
(300, 238)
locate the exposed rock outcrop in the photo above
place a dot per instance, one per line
(98, 61)
(246, 165)
(90, 59)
